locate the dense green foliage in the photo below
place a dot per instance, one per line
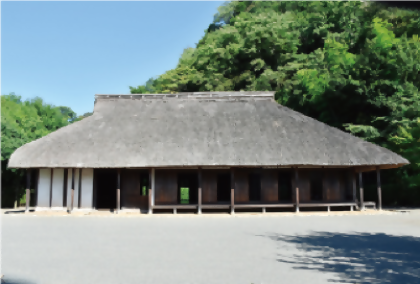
(21, 123)
(352, 65)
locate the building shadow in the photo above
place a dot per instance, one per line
(356, 258)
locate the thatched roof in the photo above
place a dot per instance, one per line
(198, 129)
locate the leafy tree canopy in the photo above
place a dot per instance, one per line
(352, 65)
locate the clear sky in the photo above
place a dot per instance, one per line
(66, 52)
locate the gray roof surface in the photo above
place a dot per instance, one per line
(198, 129)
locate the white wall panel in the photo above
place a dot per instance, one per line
(87, 188)
(57, 188)
(44, 183)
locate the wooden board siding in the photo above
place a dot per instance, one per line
(269, 186)
(166, 182)
(209, 186)
(130, 188)
(241, 186)
(334, 188)
(304, 186)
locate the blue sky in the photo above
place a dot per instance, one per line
(66, 52)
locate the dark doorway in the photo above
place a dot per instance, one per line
(316, 185)
(106, 188)
(223, 188)
(188, 188)
(285, 186)
(254, 187)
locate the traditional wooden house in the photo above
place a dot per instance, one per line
(199, 151)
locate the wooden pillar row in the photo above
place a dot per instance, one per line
(378, 179)
(28, 189)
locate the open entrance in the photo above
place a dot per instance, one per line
(106, 188)
(254, 180)
(187, 188)
(285, 186)
(316, 187)
(223, 188)
(134, 189)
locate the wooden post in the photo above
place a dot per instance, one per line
(150, 192)
(378, 179)
(362, 205)
(118, 190)
(28, 189)
(200, 185)
(297, 188)
(51, 180)
(232, 191)
(354, 186)
(72, 189)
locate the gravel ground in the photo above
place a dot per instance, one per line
(244, 248)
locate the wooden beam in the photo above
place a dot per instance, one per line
(118, 189)
(28, 189)
(72, 189)
(362, 206)
(378, 179)
(200, 185)
(232, 191)
(297, 188)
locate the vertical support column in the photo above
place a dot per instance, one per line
(150, 192)
(297, 188)
(378, 179)
(51, 180)
(232, 191)
(72, 190)
(153, 187)
(118, 190)
(28, 189)
(354, 186)
(200, 185)
(79, 195)
(362, 205)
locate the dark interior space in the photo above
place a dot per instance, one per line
(254, 187)
(223, 188)
(106, 188)
(34, 187)
(187, 188)
(316, 187)
(348, 185)
(285, 186)
(144, 184)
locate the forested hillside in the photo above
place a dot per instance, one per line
(21, 123)
(352, 65)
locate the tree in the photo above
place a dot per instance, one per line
(21, 123)
(352, 65)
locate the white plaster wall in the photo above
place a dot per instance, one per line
(44, 183)
(57, 188)
(87, 188)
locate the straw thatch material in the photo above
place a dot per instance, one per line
(198, 129)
